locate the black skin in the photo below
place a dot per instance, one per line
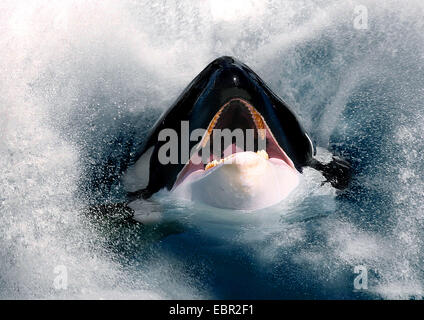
(337, 172)
(222, 80)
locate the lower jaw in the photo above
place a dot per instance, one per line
(241, 186)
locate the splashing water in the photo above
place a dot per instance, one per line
(81, 85)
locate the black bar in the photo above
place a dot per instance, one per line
(189, 309)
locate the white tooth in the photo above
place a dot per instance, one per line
(263, 154)
(211, 164)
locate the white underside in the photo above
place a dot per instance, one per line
(244, 181)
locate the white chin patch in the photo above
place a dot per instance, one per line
(244, 181)
(137, 176)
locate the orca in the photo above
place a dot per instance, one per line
(227, 94)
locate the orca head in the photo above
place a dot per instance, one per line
(227, 95)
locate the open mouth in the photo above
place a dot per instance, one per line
(249, 132)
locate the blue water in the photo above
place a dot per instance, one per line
(83, 83)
